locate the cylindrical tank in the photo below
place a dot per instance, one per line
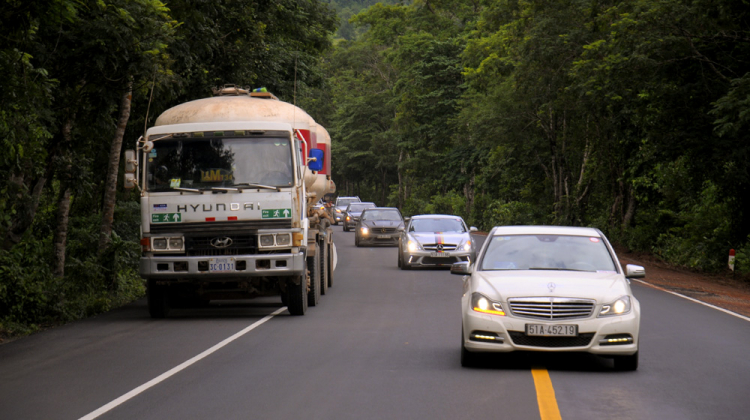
(234, 104)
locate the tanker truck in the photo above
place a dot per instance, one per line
(228, 186)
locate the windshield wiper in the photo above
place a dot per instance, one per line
(238, 187)
(192, 190)
(556, 269)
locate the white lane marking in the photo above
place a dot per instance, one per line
(177, 369)
(726, 311)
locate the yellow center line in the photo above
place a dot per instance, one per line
(545, 395)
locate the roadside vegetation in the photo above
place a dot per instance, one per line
(79, 81)
(631, 116)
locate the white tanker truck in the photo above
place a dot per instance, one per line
(228, 187)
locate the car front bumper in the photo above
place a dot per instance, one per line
(379, 238)
(437, 259)
(508, 334)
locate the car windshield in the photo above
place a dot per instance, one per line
(547, 252)
(389, 215)
(359, 206)
(437, 225)
(219, 162)
(343, 202)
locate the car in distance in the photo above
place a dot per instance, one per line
(340, 206)
(352, 213)
(549, 288)
(435, 240)
(379, 226)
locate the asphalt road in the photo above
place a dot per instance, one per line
(383, 344)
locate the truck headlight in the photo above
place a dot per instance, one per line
(176, 243)
(619, 307)
(159, 243)
(266, 240)
(283, 239)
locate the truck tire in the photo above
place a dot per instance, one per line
(296, 295)
(323, 254)
(330, 265)
(313, 295)
(158, 300)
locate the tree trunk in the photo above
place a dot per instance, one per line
(61, 232)
(110, 188)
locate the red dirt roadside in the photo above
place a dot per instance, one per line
(722, 290)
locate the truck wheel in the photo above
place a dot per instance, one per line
(313, 295)
(296, 295)
(323, 254)
(330, 265)
(158, 300)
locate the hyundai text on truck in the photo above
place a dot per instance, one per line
(227, 190)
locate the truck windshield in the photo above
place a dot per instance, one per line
(219, 162)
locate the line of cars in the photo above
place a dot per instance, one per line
(529, 288)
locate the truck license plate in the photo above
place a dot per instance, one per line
(552, 330)
(220, 265)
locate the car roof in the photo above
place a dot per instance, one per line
(435, 216)
(382, 208)
(546, 230)
(361, 202)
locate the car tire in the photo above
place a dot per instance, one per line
(468, 359)
(313, 295)
(356, 241)
(297, 295)
(158, 300)
(626, 363)
(400, 257)
(405, 265)
(323, 255)
(346, 229)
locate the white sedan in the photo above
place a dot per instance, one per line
(549, 288)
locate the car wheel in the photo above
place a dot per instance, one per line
(330, 265)
(346, 229)
(405, 265)
(626, 363)
(400, 257)
(158, 300)
(356, 241)
(468, 359)
(297, 295)
(323, 255)
(313, 295)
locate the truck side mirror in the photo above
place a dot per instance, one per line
(315, 160)
(129, 181)
(130, 162)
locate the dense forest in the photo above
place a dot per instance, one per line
(630, 116)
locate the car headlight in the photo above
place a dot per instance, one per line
(412, 245)
(483, 304)
(348, 218)
(619, 307)
(466, 246)
(364, 230)
(338, 210)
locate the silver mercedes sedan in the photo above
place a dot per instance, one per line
(551, 289)
(435, 240)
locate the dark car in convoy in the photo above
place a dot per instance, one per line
(352, 213)
(379, 226)
(340, 207)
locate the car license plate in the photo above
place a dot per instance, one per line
(440, 254)
(384, 236)
(552, 330)
(220, 265)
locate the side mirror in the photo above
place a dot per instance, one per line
(130, 181)
(634, 271)
(461, 268)
(315, 160)
(130, 162)
(473, 229)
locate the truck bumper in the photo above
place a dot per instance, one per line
(261, 265)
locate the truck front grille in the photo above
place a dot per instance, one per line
(241, 244)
